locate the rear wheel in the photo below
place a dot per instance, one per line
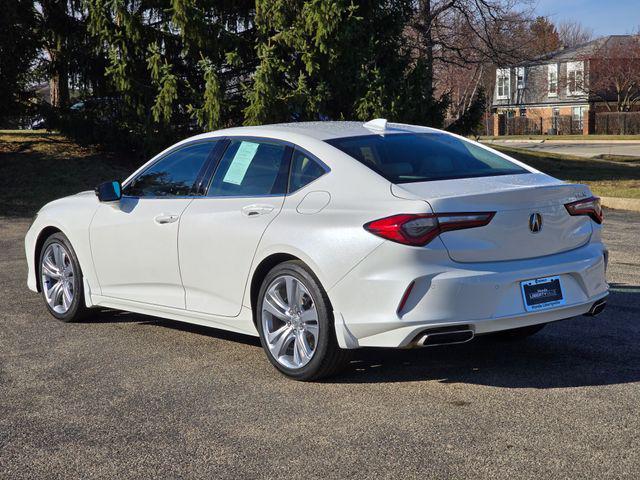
(518, 333)
(295, 323)
(61, 279)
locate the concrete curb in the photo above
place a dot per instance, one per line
(632, 204)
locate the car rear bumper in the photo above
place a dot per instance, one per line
(485, 297)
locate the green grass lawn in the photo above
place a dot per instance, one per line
(37, 167)
(561, 137)
(605, 177)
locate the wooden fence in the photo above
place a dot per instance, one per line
(617, 123)
(556, 125)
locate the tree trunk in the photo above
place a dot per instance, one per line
(427, 38)
(58, 82)
(56, 29)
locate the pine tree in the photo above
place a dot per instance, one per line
(332, 59)
(177, 65)
(19, 44)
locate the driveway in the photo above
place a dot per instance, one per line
(587, 149)
(127, 396)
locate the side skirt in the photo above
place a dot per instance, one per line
(243, 323)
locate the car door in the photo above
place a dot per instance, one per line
(219, 233)
(134, 241)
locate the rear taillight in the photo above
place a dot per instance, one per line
(588, 206)
(420, 229)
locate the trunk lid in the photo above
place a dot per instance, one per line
(514, 198)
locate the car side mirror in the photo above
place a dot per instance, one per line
(109, 191)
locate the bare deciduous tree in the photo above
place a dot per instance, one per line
(574, 33)
(464, 32)
(614, 73)
(460, 42)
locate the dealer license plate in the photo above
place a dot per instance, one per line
(542, 293)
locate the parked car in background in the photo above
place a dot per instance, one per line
(328, 236)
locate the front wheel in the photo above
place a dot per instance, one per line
(295, 323)
(61, 279)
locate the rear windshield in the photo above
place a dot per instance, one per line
(421, 157)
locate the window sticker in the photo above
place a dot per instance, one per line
(240, 163)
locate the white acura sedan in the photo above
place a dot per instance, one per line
(325, 237)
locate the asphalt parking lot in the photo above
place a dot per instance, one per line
(128, 396)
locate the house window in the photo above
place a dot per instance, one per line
(520, 78)
(555, 119)
(553, 80)
(575, 78)
(577, 116)
(503, 79)
(577, 113)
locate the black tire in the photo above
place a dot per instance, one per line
(328, 358)
(77, 309)
(518, 333)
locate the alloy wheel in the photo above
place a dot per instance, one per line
(57, 278)
(290, 322)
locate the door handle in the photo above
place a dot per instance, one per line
(256, 209)
(163, 219)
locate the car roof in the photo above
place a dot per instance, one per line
(326, 130)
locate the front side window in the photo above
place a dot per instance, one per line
(553, 80)
(173, 175)
(421, 157)
(503, 78)
(250, 168)
(304, 170)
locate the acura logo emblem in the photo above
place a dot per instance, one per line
(535, 222)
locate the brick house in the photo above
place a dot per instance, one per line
(549, 94)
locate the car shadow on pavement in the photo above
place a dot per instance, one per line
(107, 315)
(583, 351)
(578, 352)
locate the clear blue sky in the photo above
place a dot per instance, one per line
(605, 17)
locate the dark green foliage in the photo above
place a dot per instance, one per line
(18, 50)
(471, 119)
(419, 103)
(336, 60)
(150, 72)
(175, 65)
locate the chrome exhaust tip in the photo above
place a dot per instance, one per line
(444, 336)
(596, 308)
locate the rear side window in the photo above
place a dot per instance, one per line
(421, 157)
(250, 168)
(304, 170)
